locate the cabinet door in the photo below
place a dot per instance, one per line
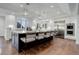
(13, 38)
(15, 41)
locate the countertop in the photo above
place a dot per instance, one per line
(23, 31)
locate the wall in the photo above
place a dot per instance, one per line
(77, 31)
(5, 22)
(70, 20)
(9, 23)
(2, 25)
(9, 20)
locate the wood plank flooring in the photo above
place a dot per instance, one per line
(55, 47)
(6, 47)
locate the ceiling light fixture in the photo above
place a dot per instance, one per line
(58, 12)
(51, 6)
(37, 12)
(25, 13)
(21, 5)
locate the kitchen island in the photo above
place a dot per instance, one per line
(21, 39)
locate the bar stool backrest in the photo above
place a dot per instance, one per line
(30, 38)
(40, 36)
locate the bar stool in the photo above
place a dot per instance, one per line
(23, 39)
(47, 35)
(40, 36)
(30, 37)
(52, 35)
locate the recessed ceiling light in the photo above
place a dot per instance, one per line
(58, 12)
(51, 6)
(21, 5)
(40, 17)
(25, 13)
(37, 12)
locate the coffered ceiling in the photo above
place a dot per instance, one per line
(44, 10)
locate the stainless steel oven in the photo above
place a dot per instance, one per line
(70, 29)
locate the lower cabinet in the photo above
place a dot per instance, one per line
(15, 41)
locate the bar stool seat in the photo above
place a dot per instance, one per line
(47, 35)
(29, 38)
(40, 36)
(52, 34)
(23, 39)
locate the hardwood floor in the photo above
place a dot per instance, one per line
(6, 47)
(55, 47)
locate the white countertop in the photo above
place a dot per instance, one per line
(23, 31)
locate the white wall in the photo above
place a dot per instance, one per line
(77, 31)
(9, 20)
(2, 25)
(70, 20)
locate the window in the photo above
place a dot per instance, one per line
(22, 23)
